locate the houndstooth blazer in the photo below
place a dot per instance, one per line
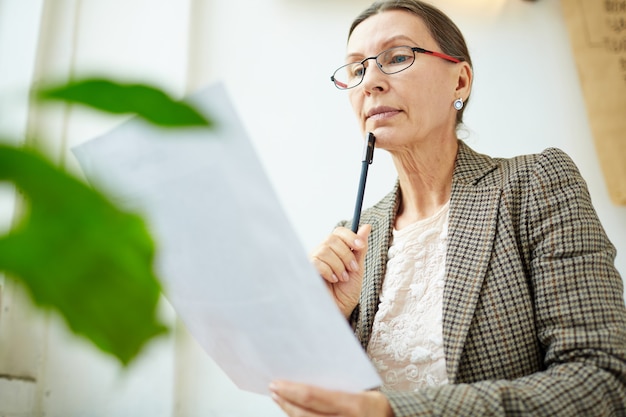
(533, 312)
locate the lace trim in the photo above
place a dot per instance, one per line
(407, 335)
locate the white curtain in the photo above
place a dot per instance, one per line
(45, 370)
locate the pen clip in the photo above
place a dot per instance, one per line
(368, 149)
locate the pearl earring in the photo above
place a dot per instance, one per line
(458, 103)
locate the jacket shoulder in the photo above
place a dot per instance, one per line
(552, 163)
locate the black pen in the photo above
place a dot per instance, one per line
(368, 156)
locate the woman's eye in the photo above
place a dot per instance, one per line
(357, 71)
(399, 59)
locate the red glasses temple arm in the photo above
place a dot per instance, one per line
(438, 54)
(339, 83)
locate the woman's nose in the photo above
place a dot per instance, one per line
(374, 79)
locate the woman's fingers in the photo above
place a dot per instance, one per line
(340, 261)
(361, 242)
(333, 259)
(341, 253)
(304, 400)
(301, 400)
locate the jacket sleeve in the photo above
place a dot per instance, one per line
(578, 308)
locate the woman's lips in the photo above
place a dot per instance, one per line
(383, 112)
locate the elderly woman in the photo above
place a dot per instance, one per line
(478, 286)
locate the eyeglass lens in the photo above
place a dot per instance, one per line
(390, 61)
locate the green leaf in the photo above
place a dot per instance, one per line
(80, 255)
(145, 101)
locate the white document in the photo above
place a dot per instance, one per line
(230, 263)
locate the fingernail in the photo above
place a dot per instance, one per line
(358, 243)
(335, 279)
(354, 266)
(274, 397)
(345, 276)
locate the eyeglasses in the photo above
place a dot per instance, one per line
(391, 61)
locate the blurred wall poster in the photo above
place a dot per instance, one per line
(597, 31)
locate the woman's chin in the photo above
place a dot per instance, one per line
(383, 134)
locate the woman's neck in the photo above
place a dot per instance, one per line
(425, 176)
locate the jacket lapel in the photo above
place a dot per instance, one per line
(472, 226)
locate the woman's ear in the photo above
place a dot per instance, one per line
(464, 81)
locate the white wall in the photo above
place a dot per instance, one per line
(276, 57)
(526, 97)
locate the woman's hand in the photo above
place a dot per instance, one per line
(340, 261)
(300, 400)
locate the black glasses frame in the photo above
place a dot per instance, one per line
(342, 86)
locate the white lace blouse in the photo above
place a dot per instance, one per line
(406, 345)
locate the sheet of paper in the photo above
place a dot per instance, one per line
(231, 264)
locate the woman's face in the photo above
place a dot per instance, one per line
(411, 106)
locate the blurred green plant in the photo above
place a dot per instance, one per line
(75, 251)
(147, 102)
